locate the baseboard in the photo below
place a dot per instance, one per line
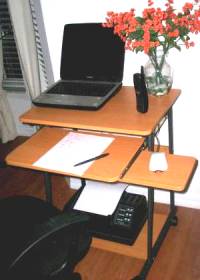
(183, 201)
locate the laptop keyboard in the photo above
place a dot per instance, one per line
(81, 89)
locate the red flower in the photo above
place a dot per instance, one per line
(174, 34)
(150, 3)
(187, 7)
(156, 27)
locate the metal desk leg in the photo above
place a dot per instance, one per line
(170, 131)
(152, 249)
(150, 142)
(173, 209)
(83, 183)
(150, 253)
(48, 187)
(150, 222)
(171, 151)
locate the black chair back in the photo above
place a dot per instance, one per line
(39, 241)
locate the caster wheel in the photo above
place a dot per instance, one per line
(174, 221)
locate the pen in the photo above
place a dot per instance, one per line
(91, 159)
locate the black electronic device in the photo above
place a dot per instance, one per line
(123, 225)
(91, 69)
(141, 91)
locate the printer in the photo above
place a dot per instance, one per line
(123, 225)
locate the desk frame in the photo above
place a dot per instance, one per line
(148, 134)
(152, 250)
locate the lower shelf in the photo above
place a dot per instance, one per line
(139, 248)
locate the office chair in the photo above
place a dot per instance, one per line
(39, 241)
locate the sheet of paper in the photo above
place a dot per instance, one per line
(72, 149)
(99, 198)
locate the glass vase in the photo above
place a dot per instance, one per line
(158, 74)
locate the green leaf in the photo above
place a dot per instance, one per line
(171, 23)
(177, 47)
(138, 49)
(140, 20)
(136, 35)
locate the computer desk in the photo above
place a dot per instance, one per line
(118, 115)
(128, 162)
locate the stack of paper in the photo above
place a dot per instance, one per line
(99, 198)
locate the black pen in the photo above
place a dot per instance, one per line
(91, 159)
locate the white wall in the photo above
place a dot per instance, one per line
(185, 65)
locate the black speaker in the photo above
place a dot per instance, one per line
(142, 103)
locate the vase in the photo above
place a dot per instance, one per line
(158, 74)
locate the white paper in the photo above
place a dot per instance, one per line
(72, 149)
(99, 198)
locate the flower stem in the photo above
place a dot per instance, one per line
(158, 62)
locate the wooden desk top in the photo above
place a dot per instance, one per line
(108, 169)
(118, 115)
(176, 178)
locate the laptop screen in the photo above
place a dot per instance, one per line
(91, 52)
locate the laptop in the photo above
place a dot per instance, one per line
(91, 70)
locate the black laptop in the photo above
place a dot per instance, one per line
(91, 71)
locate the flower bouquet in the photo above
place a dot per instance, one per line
(154, 32)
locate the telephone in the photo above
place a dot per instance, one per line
(123, 225)
(141, 91)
